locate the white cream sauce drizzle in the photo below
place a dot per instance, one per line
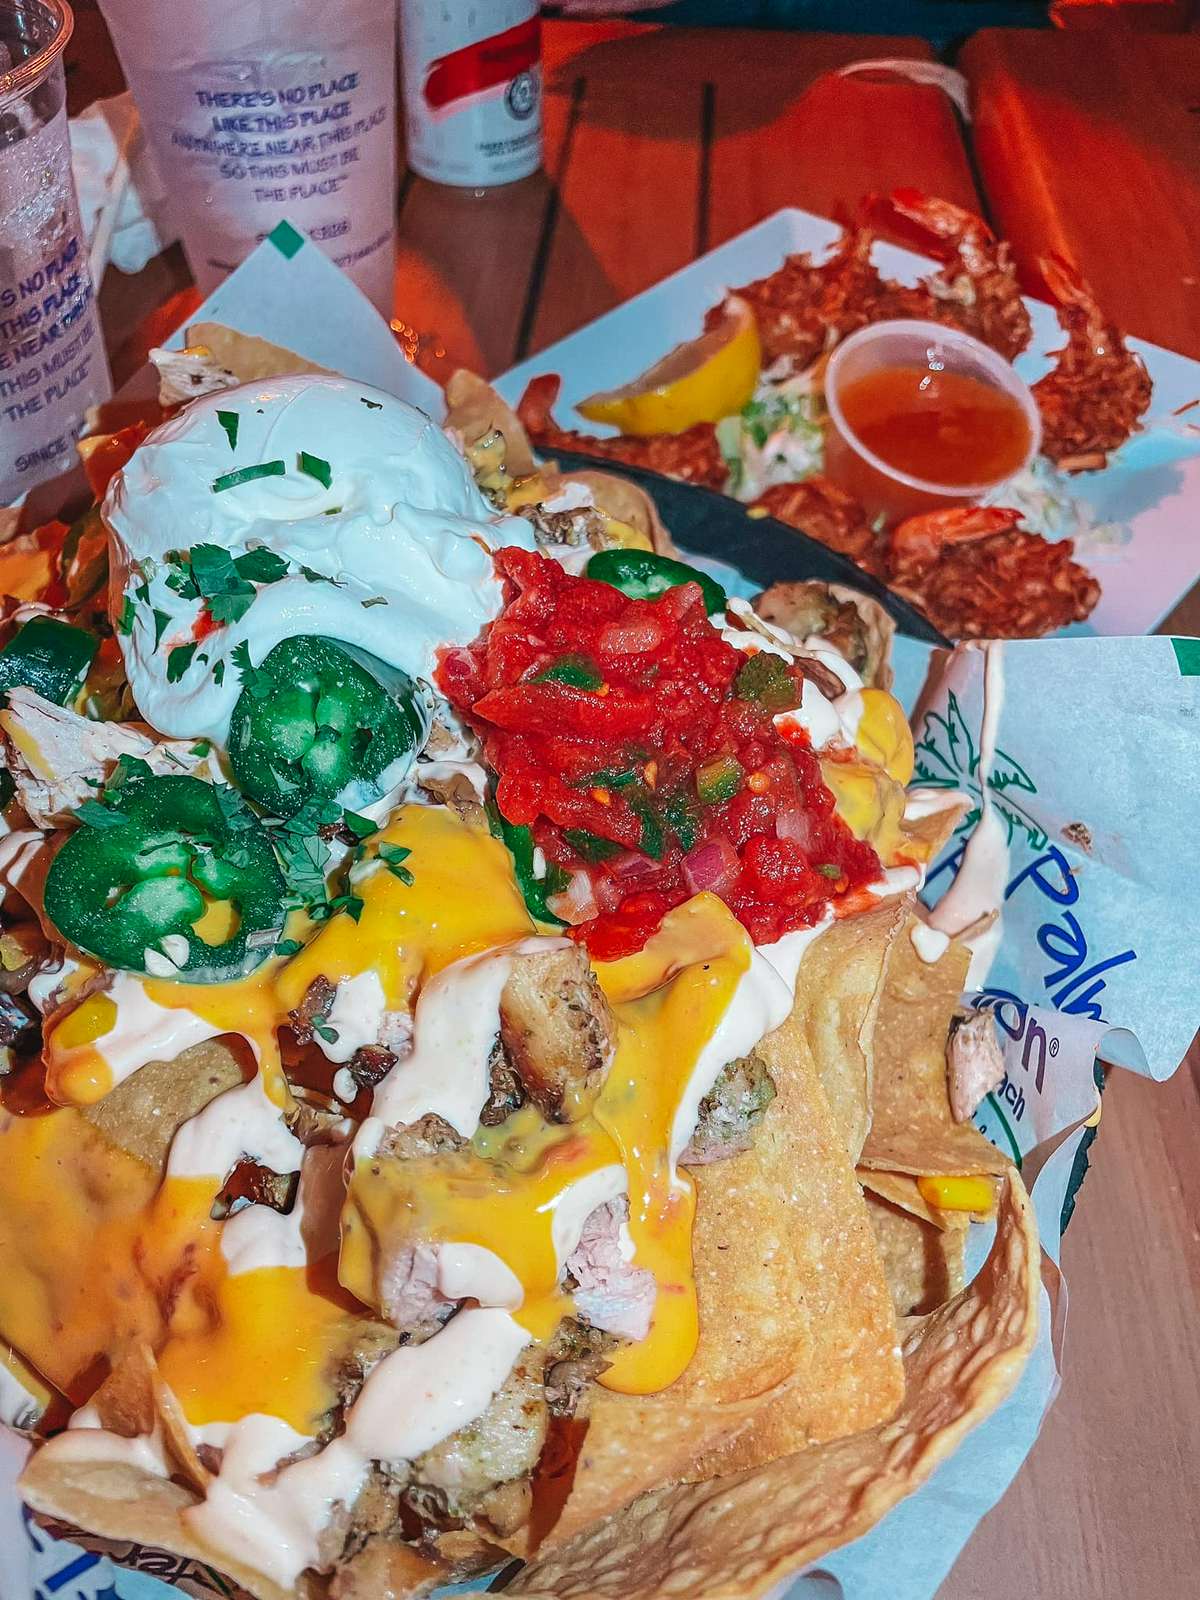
(975, 900)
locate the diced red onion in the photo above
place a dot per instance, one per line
(577, 902)
(632, 865)
(712, 866)
(793, 822)
(637, 636)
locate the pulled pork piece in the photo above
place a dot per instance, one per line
(730, 1111)
(371, 1064)
(609, 1290)
(430, 1135)
(575, 1358)
(506, 1093)
(410, 1293)
(557, 1030)
(313, 1009)
(372, 1341)
(483, 1469)
(58, 759)
(853, 624)
(582, 525)
(386, 1569)
(974, 1064)
(313, 1124)
(250, 1184)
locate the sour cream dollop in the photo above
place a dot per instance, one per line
(397, 545)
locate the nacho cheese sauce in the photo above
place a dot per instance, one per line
(397, 545)
(268, 1304)
(256, 1315)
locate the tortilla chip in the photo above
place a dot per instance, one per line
(386, 1570)
(900, 1189)
(133, 1401)
(141, 1115)
(740, 1536)
(912, 1129)
(837, 1005)
(621, 500)
(473, 409)
(247, 356)
(123, 1504)
(923, 1263)
(798, 1339)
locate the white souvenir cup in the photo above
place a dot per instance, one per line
(261, 111)
(52, 361)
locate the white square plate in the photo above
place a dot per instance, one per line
(1146, 501)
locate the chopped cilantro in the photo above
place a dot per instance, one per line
(201, 747)
(229, 421)
(128, 613)
(261, 566)
(219, 673)
(310, 576)
(179, 660)
(360, 827)
(161, 620)
(288, 947)
(95, 814)
(324, 1031)
(258, 683)
(375, 600)
(590, 845)
(127, 768)
(393, 857)
(827, 869)
(263, 469)
(372, 405)
(315, 467)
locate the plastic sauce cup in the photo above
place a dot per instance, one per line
(884, 489)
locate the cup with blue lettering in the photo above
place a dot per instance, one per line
(258, 114)
(52, 361)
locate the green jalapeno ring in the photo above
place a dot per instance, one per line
(172, 848)
(643, 575)
(50, 657)
(518, 841)
(316, 721)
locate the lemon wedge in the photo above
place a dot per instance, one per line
(701, 381)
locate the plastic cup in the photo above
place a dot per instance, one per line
(883, 489)
(264, 111)
(52, 361)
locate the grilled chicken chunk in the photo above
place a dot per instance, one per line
(557, 1030)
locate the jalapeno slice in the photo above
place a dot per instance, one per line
(313, 721)
(178, 875)
(50, 657)
(641, 575)
(518, 840)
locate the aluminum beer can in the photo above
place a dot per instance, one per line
(472, 89)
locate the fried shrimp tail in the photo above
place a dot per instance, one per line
(976, 289)
(1098, 390)
(692, 455)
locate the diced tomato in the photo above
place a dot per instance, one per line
(606, 775)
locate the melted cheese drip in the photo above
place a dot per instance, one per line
(251, 1341)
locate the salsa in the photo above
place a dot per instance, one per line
(639, 749)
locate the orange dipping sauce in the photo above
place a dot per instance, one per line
(947, 428)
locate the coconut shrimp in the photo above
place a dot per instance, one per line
(976, 289)
(976, 574)
(803, 309)
(820, 509)
(692, 455)
(1098, 391)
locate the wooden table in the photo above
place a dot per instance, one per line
(663, 143)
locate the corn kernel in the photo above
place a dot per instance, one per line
(958, 1194)
(758, 783)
